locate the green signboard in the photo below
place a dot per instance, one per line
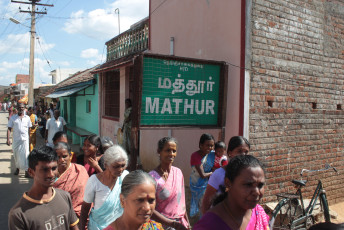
(179, 92)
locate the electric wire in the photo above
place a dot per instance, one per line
(39, 43)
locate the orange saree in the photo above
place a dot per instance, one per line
(74, 180)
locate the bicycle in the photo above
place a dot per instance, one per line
(292, 214)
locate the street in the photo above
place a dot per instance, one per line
(12, 187)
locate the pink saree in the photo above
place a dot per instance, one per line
(170, 195)
(74, 180)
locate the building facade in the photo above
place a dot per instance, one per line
(296, 91)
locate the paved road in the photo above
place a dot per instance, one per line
(11, 187)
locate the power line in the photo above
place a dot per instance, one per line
(39, 43)
(158, 6)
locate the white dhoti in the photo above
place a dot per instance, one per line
(20, 153)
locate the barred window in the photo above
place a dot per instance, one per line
(111, 94)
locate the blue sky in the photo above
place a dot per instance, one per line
(71, 35)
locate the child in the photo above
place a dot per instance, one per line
(220, 157)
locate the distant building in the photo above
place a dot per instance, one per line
(22, 78)
(59, 75)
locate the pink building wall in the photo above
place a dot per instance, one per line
(203, 29)
(109, 127)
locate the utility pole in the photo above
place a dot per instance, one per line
(33, 13)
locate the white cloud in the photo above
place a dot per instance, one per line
(8, 70)
(20, 43)
(102, 24)
(89, 53)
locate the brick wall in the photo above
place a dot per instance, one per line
(296, 96)
(22, 78)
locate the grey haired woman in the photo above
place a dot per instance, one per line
(138, 201)
(103, 191)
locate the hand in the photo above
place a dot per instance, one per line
(92, 162)
(178, 226)
(8, 142)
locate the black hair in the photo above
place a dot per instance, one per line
(96, 141)
(233, 170)
(236, 141)
(164, 140)
(43, 153)
(327, 226)
(128, 100)
(30, 108)
(220, 145)
(206, 137)
(58, 135)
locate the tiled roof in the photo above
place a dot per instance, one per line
(107, 66)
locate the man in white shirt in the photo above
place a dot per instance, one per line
(20, 123)
(54, 125)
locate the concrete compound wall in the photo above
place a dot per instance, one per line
(296, 94)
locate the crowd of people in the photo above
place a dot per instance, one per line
(96, 191)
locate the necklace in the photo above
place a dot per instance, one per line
(164, 174)
(231, 215)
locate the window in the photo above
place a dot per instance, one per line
(111, 94)
(88, 106)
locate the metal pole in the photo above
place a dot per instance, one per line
(119, 23)
(32, 54)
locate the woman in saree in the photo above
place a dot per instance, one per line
(61, 136)
(237, 207)
(237, 145)
(170, 192)
(103, 189)
(71, 177)
(202, 162)
(126, 128)
(138, 201)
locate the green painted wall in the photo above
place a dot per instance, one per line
(88, 121)
(76, 109)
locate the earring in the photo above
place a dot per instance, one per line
(227, 189)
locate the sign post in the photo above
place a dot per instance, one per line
(180, 93)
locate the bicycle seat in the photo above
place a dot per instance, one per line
(299, 182)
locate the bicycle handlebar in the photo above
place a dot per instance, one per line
(327, 167)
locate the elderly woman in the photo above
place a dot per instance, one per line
(138, 202)
(237, 145)
(237, 207)
(71, 177)
(103, 189)
(61, 136)
(106, 143)
(170, 192)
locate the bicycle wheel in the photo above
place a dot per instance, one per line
(324, 207)
(284, 213)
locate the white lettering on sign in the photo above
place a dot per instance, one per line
(191, 106)
(150, 107)
(166, 84)
(191, 88)
(166, 107)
